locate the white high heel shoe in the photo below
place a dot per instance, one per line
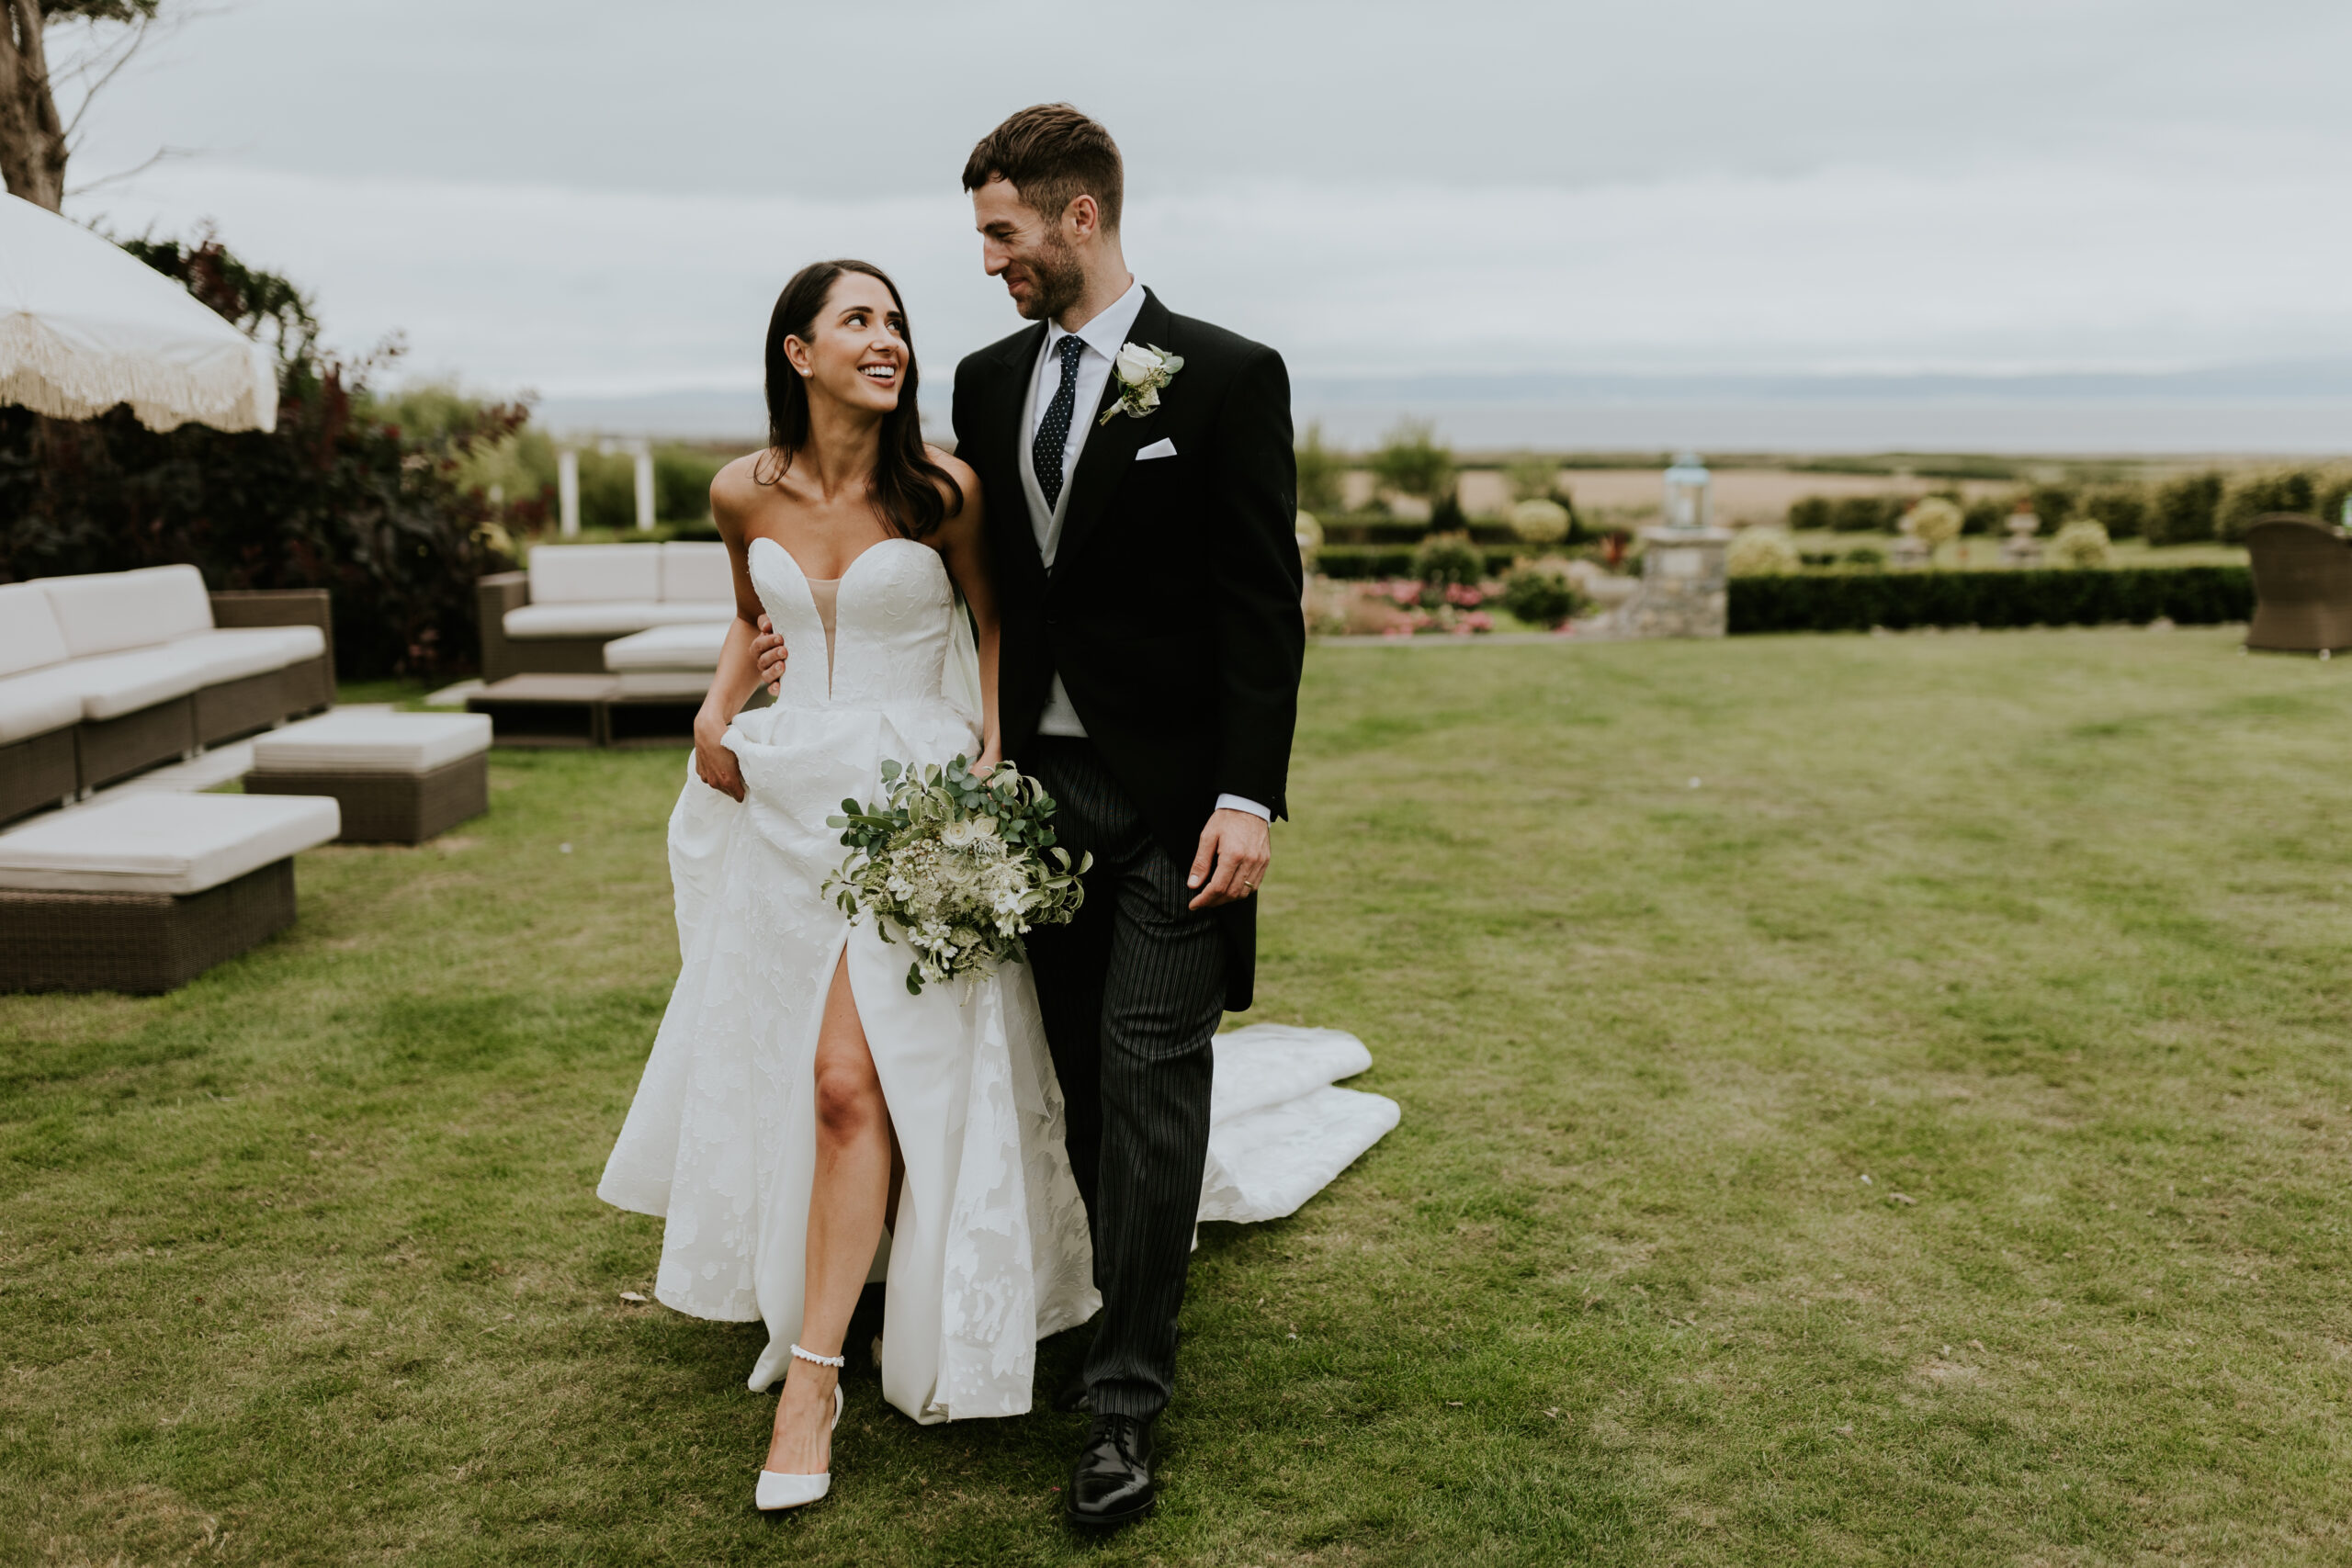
(778, 1490)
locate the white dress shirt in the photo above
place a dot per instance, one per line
(1102, 336)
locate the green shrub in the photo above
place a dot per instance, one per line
(2252, 495)
(1446, 515)
(2053, 503)
(1357, 563)
(2080, 546)
(1445, 561)
(1412, 461)
(1809, 513)
(1935, 521)
(1322, 474)
(2189, 595)
(1986, 516)
(1531, 479)
(1761, 552)
(2185, 510)
(1540, 520)
(1540, 598)
(1866, 513)
(2121, 510)
(1869, 556)
(682, 478)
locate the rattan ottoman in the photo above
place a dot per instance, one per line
(146, 892)
(400, 777)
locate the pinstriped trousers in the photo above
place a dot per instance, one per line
(1132, 990)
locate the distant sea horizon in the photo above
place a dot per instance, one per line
(2252, 410)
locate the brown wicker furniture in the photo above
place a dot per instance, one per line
(2302, 585)
(146, 892)
(400, 777)
(556, 618)
(116, 672)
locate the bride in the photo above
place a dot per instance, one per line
(804, 1124)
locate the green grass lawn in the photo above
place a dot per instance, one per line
(1665, 949)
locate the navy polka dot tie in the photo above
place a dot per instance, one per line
(1053, 431)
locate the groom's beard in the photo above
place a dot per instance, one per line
(1059, 279)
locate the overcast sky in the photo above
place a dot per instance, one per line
(584, 196)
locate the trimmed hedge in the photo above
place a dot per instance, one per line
(1373, 562)
(2189, 595)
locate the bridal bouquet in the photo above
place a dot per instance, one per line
(956, 864)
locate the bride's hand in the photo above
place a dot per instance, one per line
(991, 753)
(713, 763)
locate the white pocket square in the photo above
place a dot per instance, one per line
(1160, 449)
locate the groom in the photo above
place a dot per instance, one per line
(1148, 576)
(1142, 531)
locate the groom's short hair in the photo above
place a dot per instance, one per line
(1052, 154)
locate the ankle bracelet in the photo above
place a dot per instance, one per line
(836, 1362)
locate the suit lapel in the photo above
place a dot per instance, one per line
(1110, 448)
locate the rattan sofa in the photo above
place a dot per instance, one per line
(2302, 585)
(556, 618)
(106, 675)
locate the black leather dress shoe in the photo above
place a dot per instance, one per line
(1074, 1395)
(1112, 1485)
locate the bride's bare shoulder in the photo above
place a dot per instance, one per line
(960, 471)
(742, 486)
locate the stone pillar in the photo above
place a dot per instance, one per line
(644, 488)
(1684, 589)
(567, 491)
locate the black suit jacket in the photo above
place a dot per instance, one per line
(1173, 609)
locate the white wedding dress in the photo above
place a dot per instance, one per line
(989, 1250)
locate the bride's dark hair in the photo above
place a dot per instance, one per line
(906, 483)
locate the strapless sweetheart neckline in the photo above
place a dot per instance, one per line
(802, 572)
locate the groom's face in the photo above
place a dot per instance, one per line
(1041, 269)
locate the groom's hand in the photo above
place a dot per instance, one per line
(768, 653)
(1236, 847)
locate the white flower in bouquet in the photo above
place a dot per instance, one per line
(957, 865)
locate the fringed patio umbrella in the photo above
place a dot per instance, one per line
(86, 325)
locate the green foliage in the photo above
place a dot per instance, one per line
(1934, 522)
(1539, 597)
(2080, 546)
(2185, 509)
(1531, 478)
(2187, 595)
(1540, 521)
(2121, 510)
(1761, 552)
(2053, 503)
(1984, 516)
(337, 498)
(2250, 496)
(1322, 473)
(1412, 461)
(1447, 560)
(682, 479)
(1446, 515)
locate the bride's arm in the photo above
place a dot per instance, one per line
(962, 544)
(738, 677)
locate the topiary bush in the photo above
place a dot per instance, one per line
(2080, 546)
(1934, 522)
(2121, 510)
(1761, 552)
(2251, 495)
(1540, 521)
(1540, 597)
(1448, 560)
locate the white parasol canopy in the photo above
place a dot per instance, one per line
(85, 325)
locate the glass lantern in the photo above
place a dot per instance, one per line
(1686, 494)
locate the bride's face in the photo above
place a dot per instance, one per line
(856, 352)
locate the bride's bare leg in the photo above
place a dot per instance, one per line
(845, 1207)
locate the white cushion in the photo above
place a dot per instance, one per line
(372, 743)
(38, 702)
(694, 570)
(231, 653)
(695, 645)
(678, 683)
(164, 843)
(579, 574)
(108, 612)
(125, 683)
(29, 634)
(615, 617)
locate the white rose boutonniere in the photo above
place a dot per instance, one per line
(1141, 371)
